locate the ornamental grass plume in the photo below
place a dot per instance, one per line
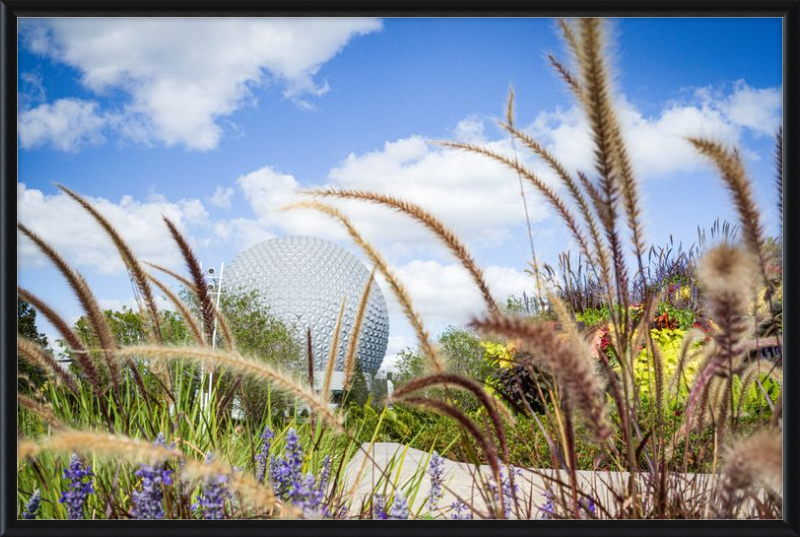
(79, 486)
(148, 503)
(32, 507)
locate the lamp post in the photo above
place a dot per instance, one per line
(215, 288)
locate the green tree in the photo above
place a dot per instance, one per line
(260, 335)
(410, 363)
(26, 327)
(358, 394)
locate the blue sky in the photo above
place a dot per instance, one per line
(218, 122)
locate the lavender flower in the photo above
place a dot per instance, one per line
(32, 507)
(399, 507)
(548, 510)
(261, 456)
(288, 472)
(462, 511)
(77, 488)
(588, 506)
(149, 502)
(509, 492)
(379, 507)
(436, 473)
(215, 492)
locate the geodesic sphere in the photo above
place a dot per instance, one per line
(303, 280)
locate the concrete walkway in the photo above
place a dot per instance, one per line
(408, 466)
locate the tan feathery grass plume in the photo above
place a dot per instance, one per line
(599, 109)
(39, 357)
(237, 363)
(555, 201)
(454, 413)
(333, 353)
(94, 314)
(577, 374)
(182, 308)
(377, 259)
(352, 344)
(595, 71)
(601, 255)
(450, 380)
(116, 447)
(731, 168)
(134, 267)
(184, 280)
(726, 274)
(45, 412)
(200, 286)
(756, 460)
(222, 321)
(79, 352)
(425, 218)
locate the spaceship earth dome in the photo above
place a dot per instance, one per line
(304, 280)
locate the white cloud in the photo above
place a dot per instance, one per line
(76, 235)
(446, 294)
(221, 198)
(67, 125)
(757, 109)
(184, 75)
(657, 145)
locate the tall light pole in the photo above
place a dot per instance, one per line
(215, 288)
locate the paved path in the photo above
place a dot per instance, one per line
(408, 466)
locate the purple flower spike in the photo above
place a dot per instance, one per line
(215, 492)
(399, 507)
(436, 473)
(32, 507)
(149, 502)
(263, 454)
(462, 511)
(379, 507)
(78, 489)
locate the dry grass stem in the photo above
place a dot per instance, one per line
(352, 344)
(39, 357)
(577, 374)
(45, 412)
(94, 314)
(200, 286)
(114, 447)
(134, 267)
(333, 353)
(425, 218)
(182, 308)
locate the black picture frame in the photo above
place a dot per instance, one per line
(10, 10)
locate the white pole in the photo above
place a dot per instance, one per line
(214, 332)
